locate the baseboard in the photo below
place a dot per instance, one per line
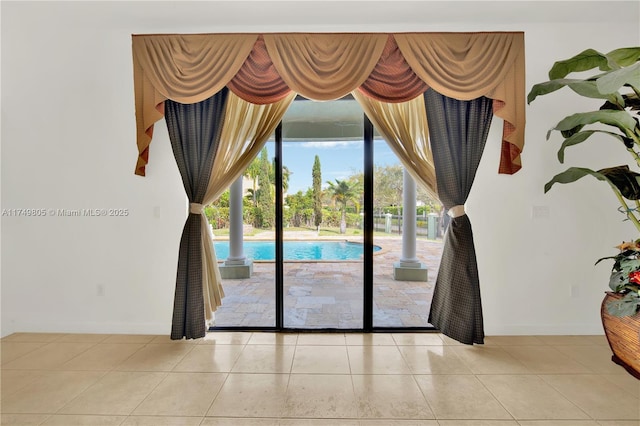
(47, 326)
(542, 329)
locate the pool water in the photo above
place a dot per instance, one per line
(297, 250)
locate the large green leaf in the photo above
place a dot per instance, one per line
(613, 81)
(585, 88)
(547, 87)
(620, 119)
(617, 280)
(625, 306)
(583, 61)
(624, 179)
(625, 56)
(580, 137)
(615, 176)
(629, 265)
(572, 174)
(590, 89)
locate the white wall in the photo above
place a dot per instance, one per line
(68, 142)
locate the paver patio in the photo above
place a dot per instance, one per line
(321, 294)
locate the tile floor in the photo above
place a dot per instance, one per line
(243, 378)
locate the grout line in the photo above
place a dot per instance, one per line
(358, 418)
(495, 397)
(216, 395)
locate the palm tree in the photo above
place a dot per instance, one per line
(286, 176)
(252, 172)
(342, 192)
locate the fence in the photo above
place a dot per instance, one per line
(426, 226)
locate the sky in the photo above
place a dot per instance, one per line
(338, 160)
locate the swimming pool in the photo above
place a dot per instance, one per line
(297, 250)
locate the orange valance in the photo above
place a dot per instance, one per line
(324, 67)
(258, 82)
(392, 68)
(392, 80)
(469, 65)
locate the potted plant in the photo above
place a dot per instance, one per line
(615, 78)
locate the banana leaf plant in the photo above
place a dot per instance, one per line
(614, 78)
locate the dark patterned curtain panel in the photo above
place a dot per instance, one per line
(458, 132)
(194, 130)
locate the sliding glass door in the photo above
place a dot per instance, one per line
(247, 264)
(322, 230)
(323, 220)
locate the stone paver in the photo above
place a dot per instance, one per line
(330, 294)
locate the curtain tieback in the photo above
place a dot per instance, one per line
(196, 208)
(456, 211)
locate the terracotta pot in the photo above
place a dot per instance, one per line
(623, 334)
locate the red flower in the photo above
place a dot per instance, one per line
(634, 277)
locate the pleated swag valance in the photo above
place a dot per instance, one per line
(390, 68)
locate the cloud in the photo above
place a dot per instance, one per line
(331, 144)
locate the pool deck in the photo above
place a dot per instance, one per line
(325, 294)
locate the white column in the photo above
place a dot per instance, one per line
(236, 254)
(408, 221)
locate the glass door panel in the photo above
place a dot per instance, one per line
(405, 269)
(249, 272)
(322, 223)
(322, 282)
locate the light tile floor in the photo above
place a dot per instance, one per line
(243, 378)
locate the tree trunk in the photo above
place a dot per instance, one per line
(343, 222)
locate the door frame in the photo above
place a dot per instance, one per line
(367, 263)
